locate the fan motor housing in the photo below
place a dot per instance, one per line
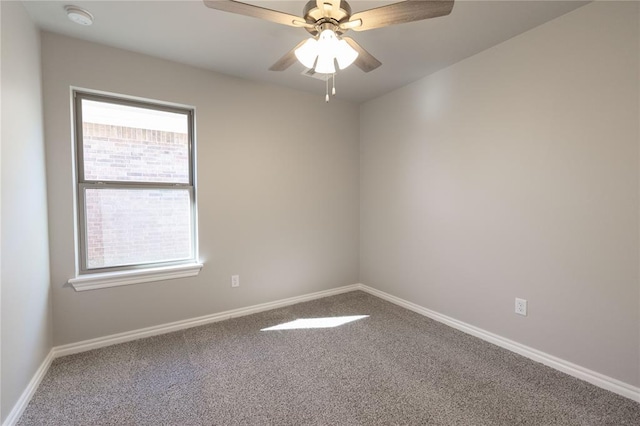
(313, 15)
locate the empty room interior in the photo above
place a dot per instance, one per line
(320, 212)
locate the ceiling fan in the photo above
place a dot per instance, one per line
(327, 21)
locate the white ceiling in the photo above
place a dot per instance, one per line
(187, 31)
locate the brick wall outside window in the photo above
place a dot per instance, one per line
(130, 154)
(130, 226)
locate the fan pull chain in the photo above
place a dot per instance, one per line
(333, 90)
(326, 98)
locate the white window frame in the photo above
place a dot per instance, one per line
(93, 278)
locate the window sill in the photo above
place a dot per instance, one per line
(114, 279)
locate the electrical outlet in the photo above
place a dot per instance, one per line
(521, 307)
(235, 280)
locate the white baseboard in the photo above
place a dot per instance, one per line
(24, 399)
(100, 342)
(559, 364)
(567, 367)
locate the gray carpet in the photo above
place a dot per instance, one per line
(395, 367)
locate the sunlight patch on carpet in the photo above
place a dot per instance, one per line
(327, 322)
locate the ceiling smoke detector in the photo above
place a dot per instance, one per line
(79, 15)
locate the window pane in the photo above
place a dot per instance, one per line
(133, 226)
(127, 143)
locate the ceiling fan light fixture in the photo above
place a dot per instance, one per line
(327, 44)
(345, 54)
(325, 64)
(328, 20)
(307, 53)
(327, 48)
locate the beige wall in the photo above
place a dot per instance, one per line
(277, 197)
(25, 311)
(514, 173)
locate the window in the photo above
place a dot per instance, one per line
(135, 176)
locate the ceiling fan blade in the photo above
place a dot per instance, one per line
(256, 12)
(287, 60)
(329, 8)
(365, 60)
(335, 7)
(399, 13)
